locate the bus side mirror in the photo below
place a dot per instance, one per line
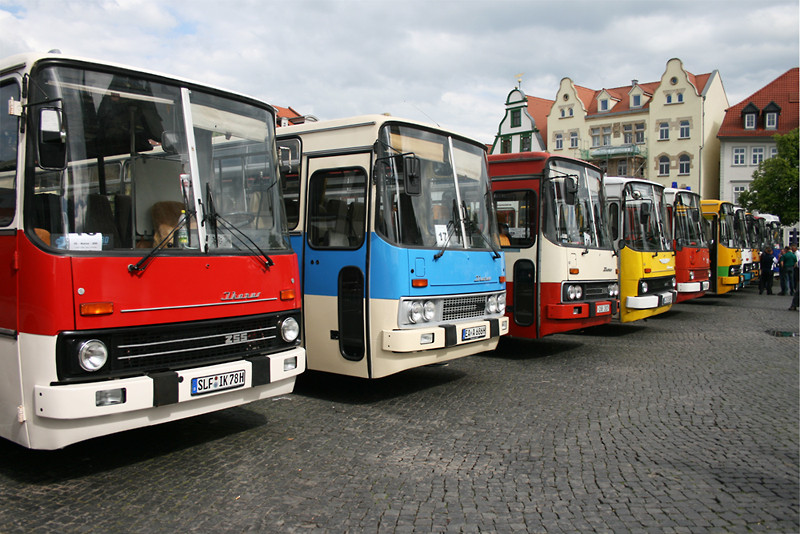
(412, 179)
(570, 190)
(52, 142)
(645, 212)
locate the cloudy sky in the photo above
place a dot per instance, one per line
(443, 61)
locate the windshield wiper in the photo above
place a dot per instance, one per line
(142, 264)
(451, 229)
(216, 219)
(473, 229)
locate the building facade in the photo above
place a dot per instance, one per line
(746, 134)
(665, 131)
(518, 131)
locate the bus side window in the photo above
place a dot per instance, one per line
(335, 208)
(613, 220)
(8, 154)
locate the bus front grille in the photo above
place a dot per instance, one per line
(456, 308)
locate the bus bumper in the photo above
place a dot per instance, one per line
(730, 280)
(417, 339)
(95, 399)
(581, 310)
(646, 302)
(693, 287)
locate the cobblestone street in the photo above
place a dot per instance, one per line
(687, 422)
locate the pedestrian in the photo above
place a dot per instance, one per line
(787, 262)
(765, 282)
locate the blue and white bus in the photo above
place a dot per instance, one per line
(396, 234)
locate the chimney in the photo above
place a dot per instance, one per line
(634, 82)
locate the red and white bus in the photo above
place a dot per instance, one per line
(561, 268)
(146, 273)
(692, 261)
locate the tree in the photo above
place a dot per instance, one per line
(774, 188)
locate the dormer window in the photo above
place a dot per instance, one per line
(771, 121)
(604, 104)
(636, 101)
(750, 121)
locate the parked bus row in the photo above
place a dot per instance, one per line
(167, 253)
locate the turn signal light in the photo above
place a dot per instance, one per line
(574, 270)
(287, 294)
(648, 270)
(419, 282)
(97, 308)
(502, 279)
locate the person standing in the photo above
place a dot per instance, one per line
(765, 282)
(787, 262)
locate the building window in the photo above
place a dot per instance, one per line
(663, 131)
(607, 136)
(604, 104)
(505, 145)
(738, 155)
(595, 136)
(525, 143)
(684, 130)
(684, 164)
(663, 166)
(637, 101)
(622, 167)
(639, 132)
(758, 155)
(563, 112)
(750, 121)
(737, 190)
(669, 98)
(573, 139)
(627, 134)
(570, 112)
(680, 97)
(516, 118)
(773, 151)
(771, 122)
(559, 141)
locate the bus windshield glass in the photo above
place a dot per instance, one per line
(127, 162)
(451, 206)
(645, 216)
(687, 221)
(572, 206)
(742, 236)
(727, 226)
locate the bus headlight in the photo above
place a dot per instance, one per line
(92, 355)
(613, 290)
(501, 303)
(571, 292)
(415, 312)
(290, 329)
(691, 275)
(578, 292)
(643, 287)
(674, 282)
(428, 311)
(491, 304)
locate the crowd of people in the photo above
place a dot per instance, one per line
(788, 273)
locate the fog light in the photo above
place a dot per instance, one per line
(92, 355)
(426, 339)
(290, 329)
(290, 364)
(109, 397)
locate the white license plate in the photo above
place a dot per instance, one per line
(473, 332)
(207, 384)
(667, 298)
(603, 308)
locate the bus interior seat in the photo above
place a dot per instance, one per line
(166, 215)
(100, 219)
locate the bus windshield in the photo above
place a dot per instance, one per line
(572, 207)
(687, 221)
(727, 226)
(742, 236)
(452, 208)
(645, 213)
(148, 165)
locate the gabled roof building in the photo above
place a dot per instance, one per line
(524, 126)
(746, 134)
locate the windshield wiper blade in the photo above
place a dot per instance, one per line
(472, 229)
(215, 218)
(142, 264)
(451, 227)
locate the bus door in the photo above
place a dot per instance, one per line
(713, 252)
(335, 260)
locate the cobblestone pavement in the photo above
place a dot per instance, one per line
(684, 423)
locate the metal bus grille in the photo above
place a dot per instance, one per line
(595, 291)
(176, 346)
(464, 308)
(658, 284)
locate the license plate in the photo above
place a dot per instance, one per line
(603, 308)
(667, 298)
(207, 384)
(473, 332)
